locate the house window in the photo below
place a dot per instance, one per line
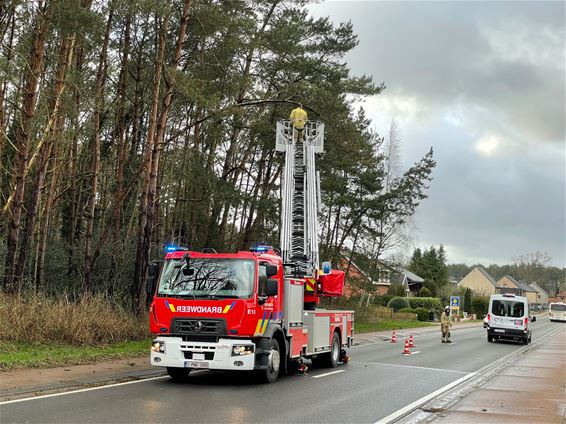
(384, 277)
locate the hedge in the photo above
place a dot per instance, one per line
(480, 305)
(426, 302)
(422, 314)
(398, 303)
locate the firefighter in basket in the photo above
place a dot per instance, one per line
(298, 119)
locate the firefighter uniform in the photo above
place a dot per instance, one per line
(445, 324)
(298, 119)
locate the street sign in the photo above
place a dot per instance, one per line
(455, 302)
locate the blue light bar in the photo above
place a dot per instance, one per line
(261, 248)
(173, 248)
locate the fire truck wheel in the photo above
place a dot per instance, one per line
(178, 374)
(273, 362)
(331, 358)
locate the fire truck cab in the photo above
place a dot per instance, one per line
(239, 312)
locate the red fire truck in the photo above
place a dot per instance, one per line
(254, 310)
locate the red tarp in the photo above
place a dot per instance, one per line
(333, 283)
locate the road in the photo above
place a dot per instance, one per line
(378, 381)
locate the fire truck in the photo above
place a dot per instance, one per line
(255, 310)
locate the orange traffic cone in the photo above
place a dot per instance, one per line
(394, 337)
(411, 343)
(406, 351)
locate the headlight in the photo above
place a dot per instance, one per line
(158, 346)
(238, 350)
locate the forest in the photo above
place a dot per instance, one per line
(129, 124)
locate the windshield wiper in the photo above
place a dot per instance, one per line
(179, 296)
(222, 296)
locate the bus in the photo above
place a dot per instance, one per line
(557, 311)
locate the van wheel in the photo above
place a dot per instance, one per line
(178, 374)
(490, 338)
(526, 341)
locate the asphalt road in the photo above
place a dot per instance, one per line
(378, 381)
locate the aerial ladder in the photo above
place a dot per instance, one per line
(300, 195)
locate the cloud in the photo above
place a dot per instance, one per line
(488, 145)
(484, 83)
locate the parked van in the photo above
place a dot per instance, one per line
(557, 311)
(508, 318)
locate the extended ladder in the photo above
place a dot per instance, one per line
(300, 195)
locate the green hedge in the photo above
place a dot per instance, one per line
(426, 302)
(408, 310)
(480, 305)
(398, 303)
(422, 314)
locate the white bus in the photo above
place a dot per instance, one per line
(557, 311)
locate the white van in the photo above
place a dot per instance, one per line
(557, 311)
(508, 318)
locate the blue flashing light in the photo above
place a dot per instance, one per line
(260, 248)
(173, 248)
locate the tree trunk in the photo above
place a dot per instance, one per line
(44, 149)
(95, 165)
(157, 147)
(14, 204)
(142, 250)
(121, 156)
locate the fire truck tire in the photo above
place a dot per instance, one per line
(270, 374)
(331, 358)
(178, 374)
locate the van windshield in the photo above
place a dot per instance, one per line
(557, 308)
(508, 308)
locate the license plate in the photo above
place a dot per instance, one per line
(196, 364)
(499, 330)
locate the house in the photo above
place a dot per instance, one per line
(508, 284)
(542, 295)
(389, 274)
(561, 296)
(523, 288)
(412, 282)
(480, 282)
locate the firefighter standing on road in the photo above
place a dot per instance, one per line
(445, 324)
(298, 119)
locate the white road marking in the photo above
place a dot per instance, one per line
(395, 415)
(328, 373)
(89, 389)
(414, 353)
(416, 367)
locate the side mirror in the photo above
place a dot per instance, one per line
(272, 287)
(533, 319)
(271, 270)
(152, 273)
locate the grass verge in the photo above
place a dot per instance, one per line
(367, 327)
(14, 355)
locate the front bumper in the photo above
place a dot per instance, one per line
(202, 355)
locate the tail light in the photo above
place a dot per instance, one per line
(488, 317)
(526, 322)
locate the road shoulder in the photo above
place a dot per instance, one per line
(528, 387)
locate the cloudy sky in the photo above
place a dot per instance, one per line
(484, 84)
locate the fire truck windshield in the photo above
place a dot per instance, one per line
(207, 278)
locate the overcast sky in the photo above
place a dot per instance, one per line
(484, 84)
